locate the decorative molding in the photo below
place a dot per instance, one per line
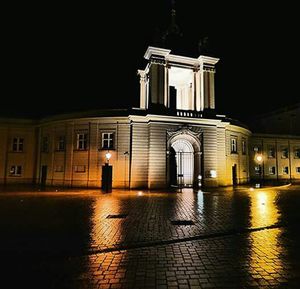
(184, 129)
(156, 51)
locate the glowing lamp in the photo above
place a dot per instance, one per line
(108, 156)
(259, 158)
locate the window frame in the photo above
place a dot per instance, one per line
(233, 145)
(18, 146)
(83, 141)
(15, 171)
(109, 139)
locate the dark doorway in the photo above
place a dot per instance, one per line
(173, 98)
(106, 178)
(173, 167)
(234, 175)
(44, 175)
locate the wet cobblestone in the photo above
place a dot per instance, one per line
(51, 239)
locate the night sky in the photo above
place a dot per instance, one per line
(67, 58)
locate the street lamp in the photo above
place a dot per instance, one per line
(107, 156)
(259, 160)
(107, 174)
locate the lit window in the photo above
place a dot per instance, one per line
(285, 170)
(271, 152)
(45, 144)
(284, 153)
(107, 140)
(61, 143)
(244, 147)
(17, 145)
(81, 143)
(79, 169)
(298, 170)
(15, 171)
(234, 145)
(297, 153)
(272, 170)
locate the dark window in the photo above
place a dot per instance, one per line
(285, 170)
(45, 144)
(15, 171)
(233, 145)
(17, 145)
(61, 143)
(298, 170)
(108, 140)
(81, 143)
(297, 153)
(284, 153)
(272, 170)
(271, 152)
(244, 147)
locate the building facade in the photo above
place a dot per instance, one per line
(174, 138)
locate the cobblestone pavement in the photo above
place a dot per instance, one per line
(225, 238)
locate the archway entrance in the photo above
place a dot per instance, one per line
(184, 156)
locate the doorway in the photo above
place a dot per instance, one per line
(44, 175)
(234, 175)
(184, 156)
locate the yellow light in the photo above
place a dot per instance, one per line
(259, 158)
(251, 189)
(108, 156)
(140, 193)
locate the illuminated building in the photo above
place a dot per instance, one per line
(175, 138)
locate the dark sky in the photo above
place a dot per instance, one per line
(72, 57)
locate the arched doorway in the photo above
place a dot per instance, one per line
(184, 158)
(184, 155)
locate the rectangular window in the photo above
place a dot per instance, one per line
(45, 144)
(271, 152)
(285, 170)
(297, 153)
(61, 143)
(79, 169)
(272, 170)
(59, 169)
(257, 149)
(107, 140)
(15, 171)
(81, 142)
(284, 153)
(257, 170)
(244, 147)
(233, 145)
(17, 145)
(298, 170)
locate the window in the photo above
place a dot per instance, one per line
(297, 153)
(284, 153)
(81, 143)
(59, 169)
(298, 170)
(244, 146)
(257, 170)
(271, 152)
(272, 170)
(17, 145)
(45, 144)
(61, 143)
(107, 140)
(15, 171)
(257, 149)
(79, 169)
(233, 145)
(285, 170)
